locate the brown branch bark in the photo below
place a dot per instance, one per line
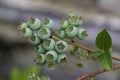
(87, 75)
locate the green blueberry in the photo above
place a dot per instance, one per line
(34, 39)
(62, 59)
(49, 44)
(51, 55)
(45, 77)
(44, 33)
(50, 65)
(83, 54)
(76, 50)
(40, 59)
(26, 32)
(40, 49)
(23, 25)
(47, 23)
(63, 24)
(60, 34)
(82, 34)
(71, 31)
(75, 20)
(61, 46)
(34, 23)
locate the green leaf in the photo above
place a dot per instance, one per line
(103, 40)
(15, 74)
(24, 74)
(106, 60)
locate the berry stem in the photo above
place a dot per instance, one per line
(87, 75)
(72, 42)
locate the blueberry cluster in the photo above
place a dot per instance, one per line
(70, 28)
(38, 33)
(33, 76)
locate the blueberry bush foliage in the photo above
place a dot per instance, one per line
(52, 47)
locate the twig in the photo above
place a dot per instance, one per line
(87, 75)
(82, 47)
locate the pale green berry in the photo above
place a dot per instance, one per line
(49, 44)
(62, 59)
(45, 77)
(34, 39)
(34, 23)
(71, 14)
(44, 33)
(63, 24)
(83, 54)
(40, 49)
(71, 31)
(61, 46)
(60, 34)
(50, 65)
(40, 59)
(23, 25)
(75, 20)
(82, 34)
(47, 23)
(26, 32)
(51, 55)
(76, 50)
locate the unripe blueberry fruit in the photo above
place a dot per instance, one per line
(60, 34)
(40, 49)
(40, 59)
(26, 32)
(50, 65)
(82, 34)
(34, 23)
(44, 33)
(76, 50)
(75, 20)
(62, 59)
(47, 23)
(34, 39)
(61, 46)
(49, 44)
(51, 55)
(71, 31)
(83, 54)
(22, 26)
(63, 24)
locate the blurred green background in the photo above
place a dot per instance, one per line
(15, 51)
